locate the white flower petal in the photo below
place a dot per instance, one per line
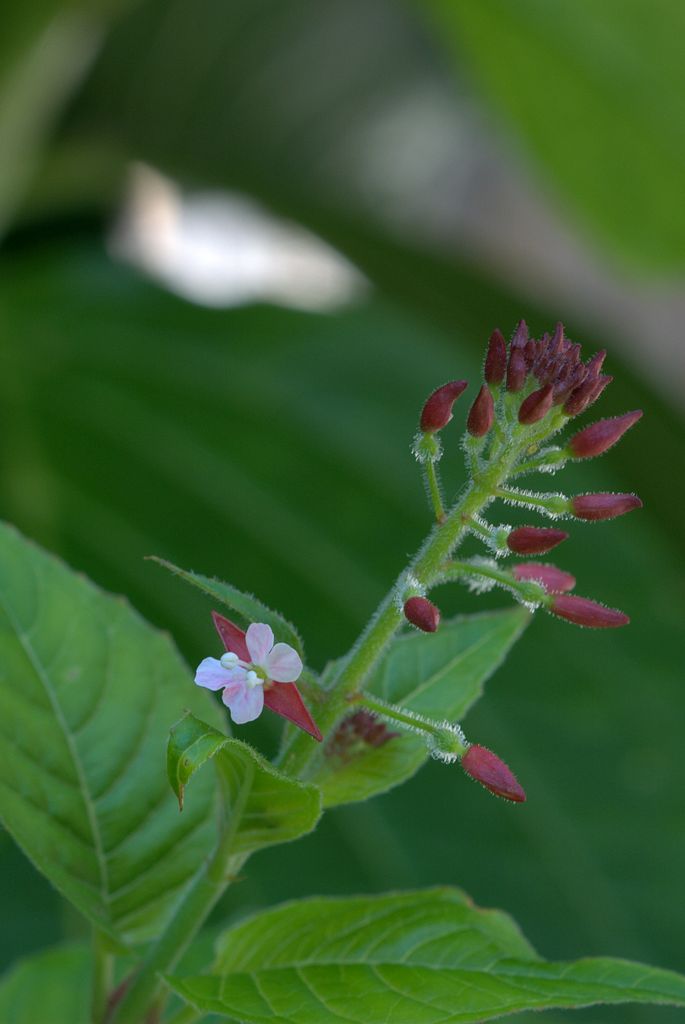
(212, 675)
(283, 664)
(245, 703)
(259, 639)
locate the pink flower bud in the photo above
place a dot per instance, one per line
(534, 540)
(422, 613)
(496, 359)
(482, 413)
(537, 405)
(516, 370)
(557, 341)
(437, 412)
(599, 437)
(485, 767)
(595, 364)
(585, 394)
(555, 581)
(603, 506)
(584, 612)
(520, 337)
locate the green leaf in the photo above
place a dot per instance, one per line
(440, 675)
(247, 606)
(419, 957)
(608, 134)
(58, 978)
(261, 806)
(87, 689)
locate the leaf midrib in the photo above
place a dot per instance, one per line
(86, 795)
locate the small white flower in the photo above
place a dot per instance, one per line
(242, 682)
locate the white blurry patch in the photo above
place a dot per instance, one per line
(220, 249)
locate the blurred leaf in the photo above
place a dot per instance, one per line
(83, 729)
(46, 47)
(58, 978)
(260, 806)
(248, 607)
(422, 956)
(440, 676)
(595, 93)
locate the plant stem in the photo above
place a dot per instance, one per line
(191, 913)
(297, 757)
(550, 462)
(455, 569)
(434, 490)
(553, 504)
(103, 973)
(412, 721)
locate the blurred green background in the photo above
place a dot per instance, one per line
(242, 240)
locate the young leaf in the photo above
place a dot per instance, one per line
(59, 978)
(246, 606)
(440, 675)
(420, 956)
(87, 689)
(261, 806)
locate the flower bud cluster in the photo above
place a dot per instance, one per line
(531, 389)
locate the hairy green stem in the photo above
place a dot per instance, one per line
(456, 569)
(434, 490)
(297, 757)
(396, 714)
(545, 461)
(416, 723)
(190, 914)
(554, 505)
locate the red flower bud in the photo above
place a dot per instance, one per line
(556, 343)
(520, 337)
(422, 613)
(599, 437)
(555, 581)
(516, 370)
(603, 506)
(496, 359)
(585, 394)
(584, 612)
(537, 405)
(437, 412)
(595, 364)
(482, 413)
(485, 767)
(534, 540)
